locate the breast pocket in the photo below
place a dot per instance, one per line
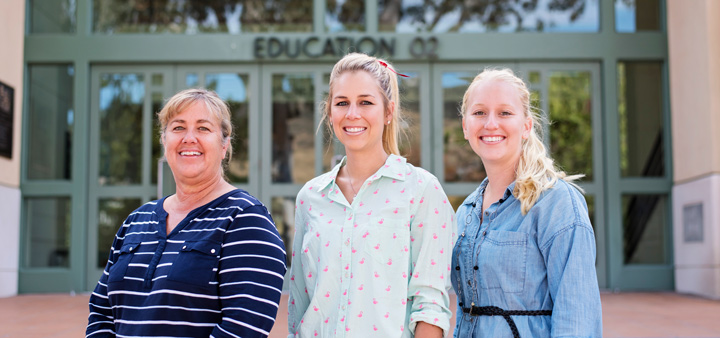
(503, 259)
(119, 268)
(196, 263)
(387, 241)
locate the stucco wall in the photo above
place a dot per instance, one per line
(694, 56)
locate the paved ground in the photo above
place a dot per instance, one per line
(646, 315)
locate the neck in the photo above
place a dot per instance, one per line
(188, 197)
(499, 178)
(362, 166)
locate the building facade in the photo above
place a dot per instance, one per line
(614, 77)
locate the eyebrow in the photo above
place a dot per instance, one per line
(361, 95)
(183, 121)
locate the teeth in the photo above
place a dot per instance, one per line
(190, 153)
(492, 138)
(355, 130)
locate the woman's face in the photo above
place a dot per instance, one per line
(495, 123)
(194, 146)
(357, 112)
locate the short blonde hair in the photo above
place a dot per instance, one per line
(213, 103)
(536, 171)
(386, 78)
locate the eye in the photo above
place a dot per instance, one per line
(204, 128)
(367, 103)
(506, 113)
(478, 112)
(178, 128)
(341, 103)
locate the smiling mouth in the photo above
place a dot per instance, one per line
(354, 129)
(492, 138)
(190, 153)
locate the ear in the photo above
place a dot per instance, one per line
(527, 128)
(465, 133)
(226, 143)
(390, 111)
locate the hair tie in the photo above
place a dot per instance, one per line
(392, 70)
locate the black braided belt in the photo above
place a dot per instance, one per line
(496, 311)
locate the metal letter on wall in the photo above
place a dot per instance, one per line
(7, 95)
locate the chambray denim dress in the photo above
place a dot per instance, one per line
(544, 260)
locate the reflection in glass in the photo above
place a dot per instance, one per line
(234, 89)
(461, 162)
(640, 106)
(410, 146)
(52, 16)
(112, 212)
(644, 229)
(456, 201)
(345, 15)
(283, 213)
(293, 104)
(440, 16)
(48, 232)
(637, 15)
(121, 103)
(50, 118)
(570, 113)
(196, 16)
(590, 200)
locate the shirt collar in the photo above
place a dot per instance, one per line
(394, 168)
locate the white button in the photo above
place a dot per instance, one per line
(212, 250)
(184, 247)
(131, 248)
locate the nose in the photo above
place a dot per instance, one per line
(352, 112)
(189, 136)
(491, 122)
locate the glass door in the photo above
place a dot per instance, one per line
(124, 151)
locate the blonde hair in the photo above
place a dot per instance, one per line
(386, 78)
(536, 171)
(213, 103)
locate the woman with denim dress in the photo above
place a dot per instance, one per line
(524, 261)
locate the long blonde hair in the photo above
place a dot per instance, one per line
(536, 171)
(386, 78)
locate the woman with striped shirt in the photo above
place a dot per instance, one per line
(206, 261)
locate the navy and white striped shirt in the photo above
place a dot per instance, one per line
(219, 273)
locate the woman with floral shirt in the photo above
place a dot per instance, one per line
(371, 255)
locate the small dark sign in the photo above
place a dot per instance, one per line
(7, 96)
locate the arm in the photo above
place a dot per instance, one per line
(432, 245)
(250, 275)
(101, 322)
(298, 300)
(572, 282)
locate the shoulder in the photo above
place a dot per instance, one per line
(560, 208)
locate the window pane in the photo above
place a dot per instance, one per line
(283, 213)
(640, 105)
(52, 16)
(157, 148)
(112, 212)
(50, 122)
(570, 102)
(196, 16)
(644, 224)
(345, 15)
(48, 232)
(637, 15)
(234, 89)
(410, 146)
(461, 162)
(293, 104)
(440, 16)
(121, 104)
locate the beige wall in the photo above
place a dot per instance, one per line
(694, 56)
(12, 23)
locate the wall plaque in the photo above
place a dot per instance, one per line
(7, 96)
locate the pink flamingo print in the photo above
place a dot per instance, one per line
(404, 274)
(387, 200)
(377, 246)
(382, 220)
(326, 268)
(360, 288)
(402, 191)
(310, 275)
(432, 262)
(387, 314)
(366, 234)
(389, 262)
(360, 314)
(420, 225)
(394, 235)
(362, 260)
(375, 328)
(315, 308)
(436, 211)
(395, 211)
(376, 274)
(387, 288)
(369, 213)
(434, 236)
(375, 301)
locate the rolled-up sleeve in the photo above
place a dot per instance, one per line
(432, 234)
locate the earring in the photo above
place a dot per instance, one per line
(388, 122)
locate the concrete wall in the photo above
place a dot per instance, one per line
(12, 23)
(694, 63)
